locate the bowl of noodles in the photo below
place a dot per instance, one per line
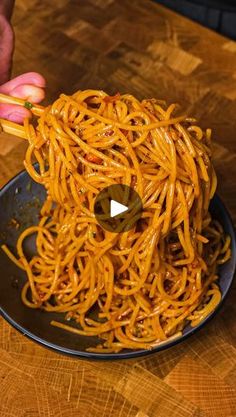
(79, 289)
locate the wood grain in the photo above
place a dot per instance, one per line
(145, 49)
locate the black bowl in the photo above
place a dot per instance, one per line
(20, 201)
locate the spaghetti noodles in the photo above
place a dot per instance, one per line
(145, 284)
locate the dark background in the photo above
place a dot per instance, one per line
(215, 14)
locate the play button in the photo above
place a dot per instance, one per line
(118, 208)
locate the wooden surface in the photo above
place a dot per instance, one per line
(142, 48)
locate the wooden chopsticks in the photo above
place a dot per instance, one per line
(14, 128)
(36, 109)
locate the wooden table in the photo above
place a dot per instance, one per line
(142, 48)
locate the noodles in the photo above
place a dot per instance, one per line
(147, 283)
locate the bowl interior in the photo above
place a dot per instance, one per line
(20, 201)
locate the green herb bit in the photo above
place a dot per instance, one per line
(28, 105)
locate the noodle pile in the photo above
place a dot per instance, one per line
(134, 289)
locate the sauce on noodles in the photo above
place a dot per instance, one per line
(149, 282)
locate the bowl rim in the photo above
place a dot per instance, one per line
(130, 354)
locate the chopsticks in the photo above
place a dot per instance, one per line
(14, 128)
(36, 109)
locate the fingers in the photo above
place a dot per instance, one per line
(28, 78)
(29, 92)
(14, 113)
(29, 86)
(6, 48)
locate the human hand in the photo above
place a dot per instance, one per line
(6, 48)
(29, 86)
